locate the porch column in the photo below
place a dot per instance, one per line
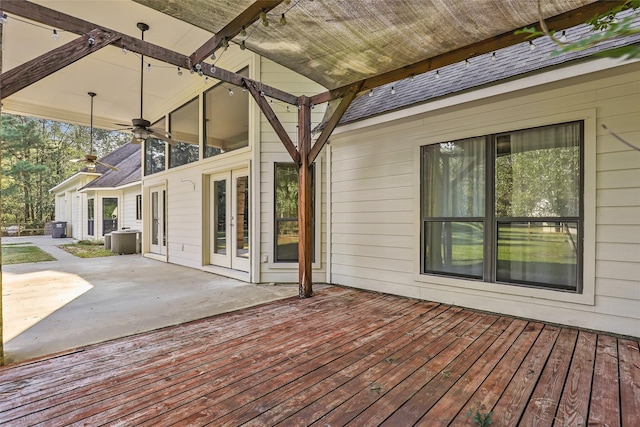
(305, 211)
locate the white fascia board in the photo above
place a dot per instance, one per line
(120, 187)
(72, 178)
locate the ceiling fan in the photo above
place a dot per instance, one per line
(90, 160)
(141, 128)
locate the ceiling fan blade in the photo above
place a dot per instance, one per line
(107, 165)
(162, 137)
(76, 160)
(128, 125)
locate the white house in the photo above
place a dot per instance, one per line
(490, 183)
(221, 201)
(95, 203)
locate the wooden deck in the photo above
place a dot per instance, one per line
(342, 357)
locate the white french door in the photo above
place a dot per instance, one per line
(158, 226)
(230, 220)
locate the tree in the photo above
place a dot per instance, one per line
(607, 26)
(36, 157)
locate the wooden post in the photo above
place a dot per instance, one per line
(305, 211)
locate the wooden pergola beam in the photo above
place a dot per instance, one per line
(233, 28)
(46, 64)
(78, 26)
(556, 23)
(268, 112)
(333, 122)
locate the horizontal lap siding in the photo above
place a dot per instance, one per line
(372, 213)
(184, 221)
(375, 201)
(129, 200)
(618, 201)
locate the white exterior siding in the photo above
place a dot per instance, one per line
(71, 205)
(128, 216)
(375, 200)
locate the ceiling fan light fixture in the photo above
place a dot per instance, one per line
(141, 134)
(91, 166)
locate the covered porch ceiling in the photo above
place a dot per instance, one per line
(335, 43)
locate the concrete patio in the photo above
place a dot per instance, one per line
(53, 306)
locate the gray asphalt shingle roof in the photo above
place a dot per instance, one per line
(127, 159)
(511, 62)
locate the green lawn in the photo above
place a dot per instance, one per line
(87, 249)
(17, 253)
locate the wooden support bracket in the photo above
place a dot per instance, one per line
(266, 109)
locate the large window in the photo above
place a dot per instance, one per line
(286, 212)
(154, 151)
(183, 124)
(505, 208)
(226, 119)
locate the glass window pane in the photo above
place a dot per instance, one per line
(286, 191)
(109, 215)
(154, 152)
(184, 129)
(226, 118)
(287, 240)
(242, 220)
(454, 248)
(538, 172)
(155, 218)
(90, 217)
(538, 253)
(454, 179)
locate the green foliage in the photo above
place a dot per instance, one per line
(86, 249)
(36, 156)
(479, 417)
(606, 26)
(17, 254)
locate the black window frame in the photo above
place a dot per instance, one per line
(491, 221)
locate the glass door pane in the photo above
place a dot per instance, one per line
(220, 217)
(155, 219)
(242, 217)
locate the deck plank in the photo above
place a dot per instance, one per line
(392, 398)
(542, 406)
(573, 408)
(421, 401)
(305, 414)
(604, 409)
(509, 409)
(446, 409)
(629, 382)
(225, 364)
(344, 357)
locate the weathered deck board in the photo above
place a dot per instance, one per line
(342, 357)
(629, 382)
(574, 403)
(605, 397)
